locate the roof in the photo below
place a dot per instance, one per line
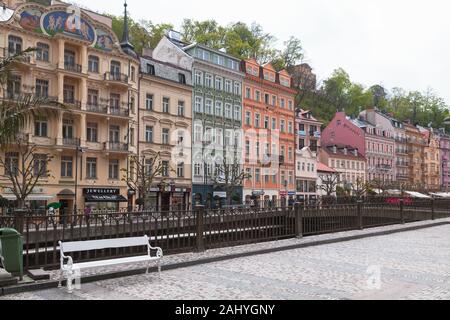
(324, 168)
(340, 152)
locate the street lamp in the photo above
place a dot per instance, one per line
(78, 149)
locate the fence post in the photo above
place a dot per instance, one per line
(360, 215)
(402, 213)
(433, 210)
(200, 242)
(298, 220)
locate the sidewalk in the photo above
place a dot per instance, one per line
(191, 259)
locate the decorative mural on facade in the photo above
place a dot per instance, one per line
(30, 19)
(71, 24)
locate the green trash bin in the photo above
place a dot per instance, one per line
(11, 251)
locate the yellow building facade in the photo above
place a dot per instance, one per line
(81, 63)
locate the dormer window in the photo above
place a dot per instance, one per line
(345, 151)
(355, 152)
(334, 149)
(150, 69)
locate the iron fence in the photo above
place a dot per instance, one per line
(198, 229)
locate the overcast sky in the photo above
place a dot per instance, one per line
(395, 43)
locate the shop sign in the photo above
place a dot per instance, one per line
(220, 194)
(101, 191)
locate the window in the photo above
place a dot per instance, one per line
(165, 136)
(290, 127)
(166, 102)
(266, 122)
(182, 78)
(208, 80)
(12, 163)
(133, 74)
(274, 100)
(42, 88)
(228, 111)
(282, 126)
(180, 108)
(113, 169)
(66, 167)
(14, 45)
(149, 134)
(114, 103)
(115, 69)
(42, 52)
(14, 86)
(91, 168)
(150, 69)
(257, 120)
(237, 89)
(219, 83)
(92, 98)
(198, 133)
(291, 107)
(92, 132)
(282, 103)
(69, 93)
(257, 95)
(149, 166)
(68, 129)
(228, 86)
(197, 169)
(149, 102)
(257, 175)
(248, 118)
(93, 64)
(266, 98)
(219, 109)
(199, 78)
(248, 93)
(165, 168)
(291, 154)
(198, 104)
(180, 170)
(40, 127)
(209, 106)
(274, 123)
(237, 113)
(40, 165)
(114, 134)
(247, 148)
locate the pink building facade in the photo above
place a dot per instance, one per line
(445, 158)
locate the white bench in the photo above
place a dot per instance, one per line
(68, 270)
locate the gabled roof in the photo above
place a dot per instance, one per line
(252, 61)
(269, 66)
(324, 168)
(284, 73)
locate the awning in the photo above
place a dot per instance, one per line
(32, 197)
(105, 198)
(66, 193)
(417, 195)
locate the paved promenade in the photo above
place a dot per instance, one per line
(406, 265)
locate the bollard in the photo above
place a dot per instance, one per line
(200, 241)
(298, 220)
(402, 213)
(360, 215)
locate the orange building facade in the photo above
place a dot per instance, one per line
(269, 126)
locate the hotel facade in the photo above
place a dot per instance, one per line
(83, 65)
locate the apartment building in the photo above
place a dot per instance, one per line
(416, 150)
(308, 134)
(269, 124)
(347, 161)
(432, 159)
(444, 143)
(83, 65)
(165, 114)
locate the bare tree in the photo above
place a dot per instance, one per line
(360, 188)
(143, 173)
(329, 183)
(229, 175)
(24, 168)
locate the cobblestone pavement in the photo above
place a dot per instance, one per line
(409, 265)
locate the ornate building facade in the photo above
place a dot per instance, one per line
(79, 62)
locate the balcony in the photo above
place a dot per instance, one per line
(75, 104)
(116, 147)
(315, 134)
(116, 77)
(73, 67)
(25, 60)
(96, 108)
(121, 112)
(384, 167)
(70, 142)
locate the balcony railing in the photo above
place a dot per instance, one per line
(8, 54)
(116, 146)
(120, 77)
(119, 111)
(71, 142)
(72, 103)
(96, 108)
(73, 67)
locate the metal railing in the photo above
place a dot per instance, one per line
(73, 67)
(116, 146)
(115, 76)
(199, 229)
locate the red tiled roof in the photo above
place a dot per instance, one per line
(323, 168)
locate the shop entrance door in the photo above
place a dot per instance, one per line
(165, 201)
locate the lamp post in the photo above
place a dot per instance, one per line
(78, 150)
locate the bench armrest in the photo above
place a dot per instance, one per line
(159, 252)
(64, 257)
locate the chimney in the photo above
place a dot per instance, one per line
(147, 52)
